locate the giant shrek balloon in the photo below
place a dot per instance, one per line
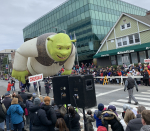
(45, 54)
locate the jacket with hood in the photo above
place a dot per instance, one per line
(29, 103)
(2, 112)
(7, 102)
(51, 115)
(16, 112)
(39, 119)
(90, 119)
(145, 128)
(135, 124)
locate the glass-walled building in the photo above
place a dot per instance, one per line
(90, 20)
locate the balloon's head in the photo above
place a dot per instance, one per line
(59, 46)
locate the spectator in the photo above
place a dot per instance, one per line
(47, 88)
(90, 119)
(13, 84)
(28, 105)
(16, 113)
(24, 95)
(146, 78)
(7, 103)
(39, 118)
(35, 84)
(136, 124)
(9, 87)
(125, 107)
(102, 128)
(145, 120)
(61, 125)
(98, 121)
(41, 98)
(51, 115)
(2, 115)
(73, 119)
(113, 108)
(27, 84)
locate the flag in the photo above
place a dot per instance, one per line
(70, 36)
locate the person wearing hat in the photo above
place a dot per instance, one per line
(129, 84)
(24, 95)
(98, 121)
(113, 108)
(136, 124)
(7, 103)
(16, 113)
(125, 107)
(38, 117)
(51, 115)
(90, 119)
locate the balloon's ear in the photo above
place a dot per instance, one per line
(73, 40)
(49, 39)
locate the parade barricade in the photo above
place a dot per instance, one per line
(119, 77)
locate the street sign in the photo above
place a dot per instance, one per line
(35, 78)
(146, 60)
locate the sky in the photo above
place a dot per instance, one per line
(17, 14)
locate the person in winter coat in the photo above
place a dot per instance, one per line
(9, 87)
(7, 103)
(24, 95)
(35, 86)
(29, 103)
(90, 119)
(16, 113)
(146, 78)
(129, 84)
(51, 115)
(125, 107)
(47, 89)
(13, 84)
(38, 117)
(2, 115)
(98, 121)
(27, 84)
(113, 108)
(61, 125)
(145, 120)
(72, 120)
(136, 124)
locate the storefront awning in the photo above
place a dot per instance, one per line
(129, 49)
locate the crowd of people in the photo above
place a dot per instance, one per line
(23, 111)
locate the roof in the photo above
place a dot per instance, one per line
(142, 19)
(124, 50)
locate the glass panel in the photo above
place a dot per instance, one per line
(137, 38)
(119, 58)
(134, 57)
(113, 60)
(119, 42)
(128, 25)
(126, 59)
(124, 40)
(130, 39)
(122, 26)
(148, 53)
(142, 56)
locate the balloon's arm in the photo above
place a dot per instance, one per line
(27, 49)
(70, 62)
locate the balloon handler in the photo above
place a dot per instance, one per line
(45, 54)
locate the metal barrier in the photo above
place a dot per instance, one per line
(120, 77)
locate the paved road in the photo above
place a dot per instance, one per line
(106, 94)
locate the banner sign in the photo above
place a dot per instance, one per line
(35, 78)
(146, 60)
(104, 55)
(127, 51)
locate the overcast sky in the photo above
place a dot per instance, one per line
(16, 14)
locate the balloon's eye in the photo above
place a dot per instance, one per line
(59, 48)
(68, 48)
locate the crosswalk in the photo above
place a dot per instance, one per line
(143, 99)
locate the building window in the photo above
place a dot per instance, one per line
(128, 40)
(124, 40)
(119, 58)
(125, 26)
(119, 42)
(128, 25)
(136, 36)
(131, 39)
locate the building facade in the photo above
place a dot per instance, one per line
(127, 42)
(90, 20)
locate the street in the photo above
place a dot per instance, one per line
(106, 94)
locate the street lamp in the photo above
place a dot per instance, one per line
(60, 29)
